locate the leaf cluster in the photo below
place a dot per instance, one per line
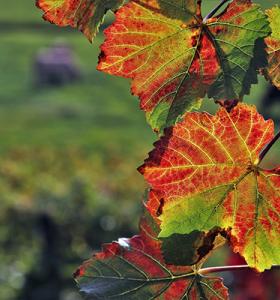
(207, 185)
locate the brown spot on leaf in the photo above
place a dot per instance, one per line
(159, 210)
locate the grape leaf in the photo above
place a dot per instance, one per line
(273, 47)
(86, 15)
(208, 169)
(174, 57)
(134, 269)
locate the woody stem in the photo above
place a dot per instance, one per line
(205, 271)
(268, 146)
(213, 12)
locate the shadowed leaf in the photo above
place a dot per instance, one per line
(134, 269)
(184, 249)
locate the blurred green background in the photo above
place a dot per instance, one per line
(68, 160)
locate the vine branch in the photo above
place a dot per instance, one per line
(213, 12)
(268, 146)
(205, 271)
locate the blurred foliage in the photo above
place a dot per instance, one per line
(68, 160)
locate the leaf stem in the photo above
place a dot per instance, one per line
(205, 271)
(212, 12)
(268, 146)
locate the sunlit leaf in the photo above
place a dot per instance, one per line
(175, 58)
(134, 269)
(86, 15)
(207, 168)
(273, 47)
(184, 249)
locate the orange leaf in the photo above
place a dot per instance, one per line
(174, 57)
(207, 168)
(86, 15)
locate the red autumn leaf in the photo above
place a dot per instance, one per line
(86, 15)
(174, 56)
(134, 269)
(207, 168)
(273, 47)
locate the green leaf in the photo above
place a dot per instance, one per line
(272, 72)
(182, 249)
(234, 34)
(175, 58)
